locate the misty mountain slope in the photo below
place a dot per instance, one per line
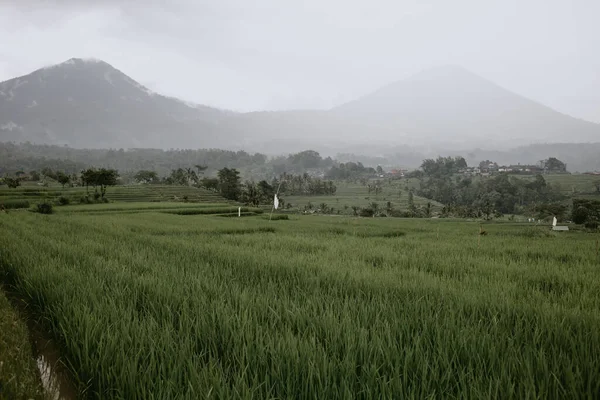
(90, 103)
(453, 103)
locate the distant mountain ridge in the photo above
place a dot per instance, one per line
(89, 103)
(450, 101)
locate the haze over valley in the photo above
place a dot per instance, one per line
(87, 103)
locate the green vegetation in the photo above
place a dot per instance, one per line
(165, 306)
(574, 184)
(465, 196)
(27, 159)
(123, 193)
(348, 195)
(8, 204)
(19, 379)
(44, 208)
(586, 211)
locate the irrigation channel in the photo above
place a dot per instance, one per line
(56, 380)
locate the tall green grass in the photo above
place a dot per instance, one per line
(159, 306)
(13, 204)
(19, 378)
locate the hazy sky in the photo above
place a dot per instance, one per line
(281, 54)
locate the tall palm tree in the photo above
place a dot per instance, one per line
(201, 168)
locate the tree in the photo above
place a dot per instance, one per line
(460, 162)
(428, 210)
(34, 176)
(375, 208)
(48, 173)
(106, 177)
(178, 177)
(201, 168)
(12, 183)
(324, 208)
(88, 178)
(379, 169)
(555, 165)
(306, 159)
(251, 194)
(580, 215)
(62, 178)
(411, 201)
(191, 176)
(597, 185)
(145, 176)
(210, 183)
(102, 177)
(229, 183)
(266, 191)
(389, 207)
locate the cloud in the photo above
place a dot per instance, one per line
(252, 54)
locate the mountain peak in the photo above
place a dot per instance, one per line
(450, 73)
(452, 102)
(79, 63)
(86, 100)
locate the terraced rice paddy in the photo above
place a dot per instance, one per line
(132, 193)
(352, 194)
(155, 305)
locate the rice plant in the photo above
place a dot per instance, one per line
(154, 305)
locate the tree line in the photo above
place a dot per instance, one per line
(465, 196)
(26, 157)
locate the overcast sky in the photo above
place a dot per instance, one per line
(281, 54)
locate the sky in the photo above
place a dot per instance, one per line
(280, 54)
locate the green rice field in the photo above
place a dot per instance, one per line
(167, 306)
(122, 193)
(353, 194)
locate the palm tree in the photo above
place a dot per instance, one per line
(389, 207)
(191, 176)
(375, 207)
(323, 207)
(201, 168)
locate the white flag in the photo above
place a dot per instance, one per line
(554, 221)
(276, 202)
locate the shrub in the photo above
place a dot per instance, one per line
(366, 212)
(584, 209)
(185, 198)
(278, 217)
(592, 223)
(105, 200)
(8, 204)
(63, 201)
(96, 196)
(580, 215)
(44, 208)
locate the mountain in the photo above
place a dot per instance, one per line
(452, 104)
(88, 103)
